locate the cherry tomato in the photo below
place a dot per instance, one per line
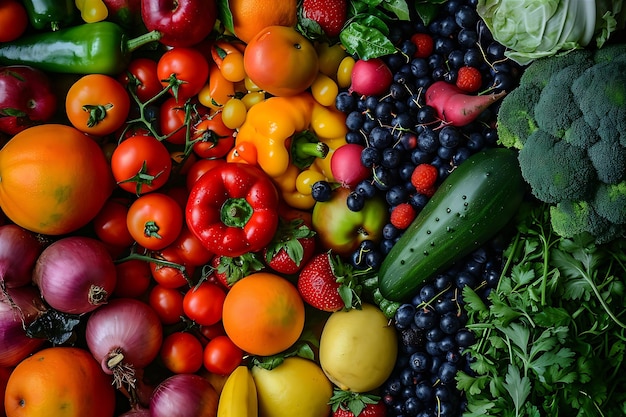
(182, 353)
(191, 250)
(171, 276)
(235, 110)
(232, 67)
(154, 220)
(97, 104)
(142, 76)
(141, 164)
(167, 303)
(188, 65)
(222, 356)
(212, 139)
(203, 303)
(133, 278)
(212, 331)
(110, 223)
(13, 20)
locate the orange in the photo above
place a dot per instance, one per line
(54, 179)
(281, 61)
(250, 16)
(263, 314)
(59, 382)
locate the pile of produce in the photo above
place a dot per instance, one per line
(312, 208)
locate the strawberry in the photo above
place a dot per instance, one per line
(424, 43)
(469, 79)
(226, 270)
(402, 215)
(292, 246)
(353, 404)
(328, 284)
(330, 15)
(423, 178)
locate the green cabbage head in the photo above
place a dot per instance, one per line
(532, 29)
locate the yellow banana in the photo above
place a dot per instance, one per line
(238, 397)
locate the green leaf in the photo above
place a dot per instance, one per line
(365, 42)
(427, 11)
(470, 384)
(399, 8)
(224, 15)
(518, 387)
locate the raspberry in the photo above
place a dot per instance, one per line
(402, 215)
(469, 79)
(423, 178)
(424, 43)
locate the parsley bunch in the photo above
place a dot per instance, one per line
(552, 335)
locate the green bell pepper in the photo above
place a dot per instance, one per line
(89, 48)
(50, 14)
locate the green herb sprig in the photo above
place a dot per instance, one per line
(551, 336)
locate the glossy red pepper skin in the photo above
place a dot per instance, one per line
(233, 209)
(181, 22)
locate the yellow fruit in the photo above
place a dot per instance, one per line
(297, 387)
(358, 348)
(238, 397)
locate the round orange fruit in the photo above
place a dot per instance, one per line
(59, 382)
(281, 61)
(263, 314)
(53, 179)
(250, 16)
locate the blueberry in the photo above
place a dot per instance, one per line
(371, 102)
(355, 120)
(391, 157)
(447, 344)
(449, 137)
(424, 392)
(473, 57)
(355, 137)
(426, 114)
(374, 258)
(442, 281)
(355, 201)
(395, 195)
(444, 305)
(467, 38)
(370, 157)
(366, 188)
(464, 278)
(447, 372)
(465, 338)
(380, 137)
(428, 292)
(460, 155)
(449, 323)
(435, 334)
(321, 191)
(412, 406)
(455, 58)
(384, 178)
(345, 102)
(428, 140)
(383, 112)
(419, 361)
(419, 67)
(466, 16)
(419, 156)
(475, 141)
(425, 319)
(404, 315)
(402, 121)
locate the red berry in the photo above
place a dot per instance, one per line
(402, 215)
(424, 178)
(469, 79)
(424, 43)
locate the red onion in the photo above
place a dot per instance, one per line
(19, 250)
(137, 411)
(124, 335)
(75, 274)
(184, 395)
(18, 308)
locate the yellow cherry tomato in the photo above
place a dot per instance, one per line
(344, 72)
(324, 90)
(234, 113)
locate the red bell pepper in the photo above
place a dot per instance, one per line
(233, 209)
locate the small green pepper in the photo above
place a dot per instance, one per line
(50, 14)
(89, 48)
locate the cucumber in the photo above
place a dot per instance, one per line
(470, 207)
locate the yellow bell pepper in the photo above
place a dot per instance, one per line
(92, 11)
(291, 138)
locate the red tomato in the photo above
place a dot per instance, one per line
(141, 164)
(172, 121)
(222, 356)
(191, 250)
(133, 278)
(13, 20)
(182, 353)
(203, 303)
(200, 167)
(110, 223)
(167, 303)
(97, 104)
(186, 64)
(212, 138)
(154, 220)
(171, 276)
(213, 330)
(142, 76)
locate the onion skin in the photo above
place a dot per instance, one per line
(19, 250)
(128, 327)
(75, 274)
(26, 305)
(184, 395)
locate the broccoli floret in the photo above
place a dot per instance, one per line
(602, 155)
(538, 73)
(610, 202)
(515, 120)
(555, 170)
(571, 218)
(580, 134)
(600, 93)
(556, 109)
(610, 53)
